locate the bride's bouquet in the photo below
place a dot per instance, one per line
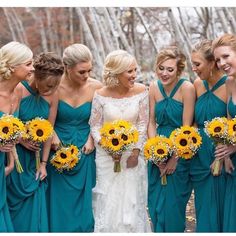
(39, 130)
(158, 150)
(117, 137)
(11, 129)
(66, 157)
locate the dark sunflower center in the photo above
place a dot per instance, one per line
(194, 140)
(217, 129)
(115, 142)
(186, 132)
(39, 133)
(5, 130)
(72, 150)
(63, 155)
(121, 126)
(234, 128)
(183, 142)
(111, 131)
(160, 151)
(124, 137)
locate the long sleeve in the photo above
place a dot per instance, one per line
(143, 119)
(96, 118)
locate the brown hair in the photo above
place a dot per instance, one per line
(205, 48)
(225, 40)
(171, 52)
(48, 64)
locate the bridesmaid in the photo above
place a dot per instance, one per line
(224, 49)
(15, 66)
(211, 101)
(172, 101)
(26, 192)
(70, 193)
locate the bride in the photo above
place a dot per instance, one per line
(120, 199)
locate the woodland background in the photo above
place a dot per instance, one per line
(141, 31)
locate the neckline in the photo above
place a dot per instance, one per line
(136, 95)
(74, 107)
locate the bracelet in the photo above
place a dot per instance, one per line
(44, 162)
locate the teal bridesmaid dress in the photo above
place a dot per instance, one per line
(229, 222)
(167, 203)
(26, 196)
(209, 190)
(5, 219)
(70, 192)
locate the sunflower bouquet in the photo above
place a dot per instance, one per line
(65, 158)
(11, 129)
(38, 130)
(117, 137)
(217, 130)
(186, 141)
(158, 150)
(231, 131)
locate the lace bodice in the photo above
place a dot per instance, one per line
(134, 109)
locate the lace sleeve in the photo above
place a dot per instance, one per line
(96, 118)
(142, 120)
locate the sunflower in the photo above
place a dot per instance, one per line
(74, 150)
(73, 162)
(39, 129)
(216, 127)
(187, 129)
(56, 163)
(6, 130)
(107, 129)
(182, 141)
(115, 143)
(196, 139)
(18, 125)
(122, 124)
(147, 147)
(160, 151)
(187, 154)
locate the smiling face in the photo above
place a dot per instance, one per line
(201, 66)
(167, 72)
(127, 78)
(23, 71)
(225, 58)
(80, 72)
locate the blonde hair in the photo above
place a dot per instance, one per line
(76, 53)
(116, 63)
(171, 52)
(225, 40)
(11, 55)
(205, 48)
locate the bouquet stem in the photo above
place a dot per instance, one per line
(216, 167)
(117, 167)
(37, 156)
(19, 168)
(163, 180)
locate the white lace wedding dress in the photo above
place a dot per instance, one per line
(120, 199)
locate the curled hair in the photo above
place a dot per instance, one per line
(225, 40)
(48, 64)
(11, 55)
(76, 53)
(116, 62)
(205, 48)
(172, 52)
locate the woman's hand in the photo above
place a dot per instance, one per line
(55, 142)
(223, 150)
(132, 160)
(41, 172)
(88, 146)
(170, 166)
(32, 146)
(7, 147)
(229, 167)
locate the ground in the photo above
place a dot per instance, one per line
(190, 215)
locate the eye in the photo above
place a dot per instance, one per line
(170, 69)
(161, 68)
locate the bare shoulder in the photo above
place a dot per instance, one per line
(229, 81)
(188, 86)
(139, 88)
(103, 91)
(19, 89)
(197, 82)
(95, 84)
